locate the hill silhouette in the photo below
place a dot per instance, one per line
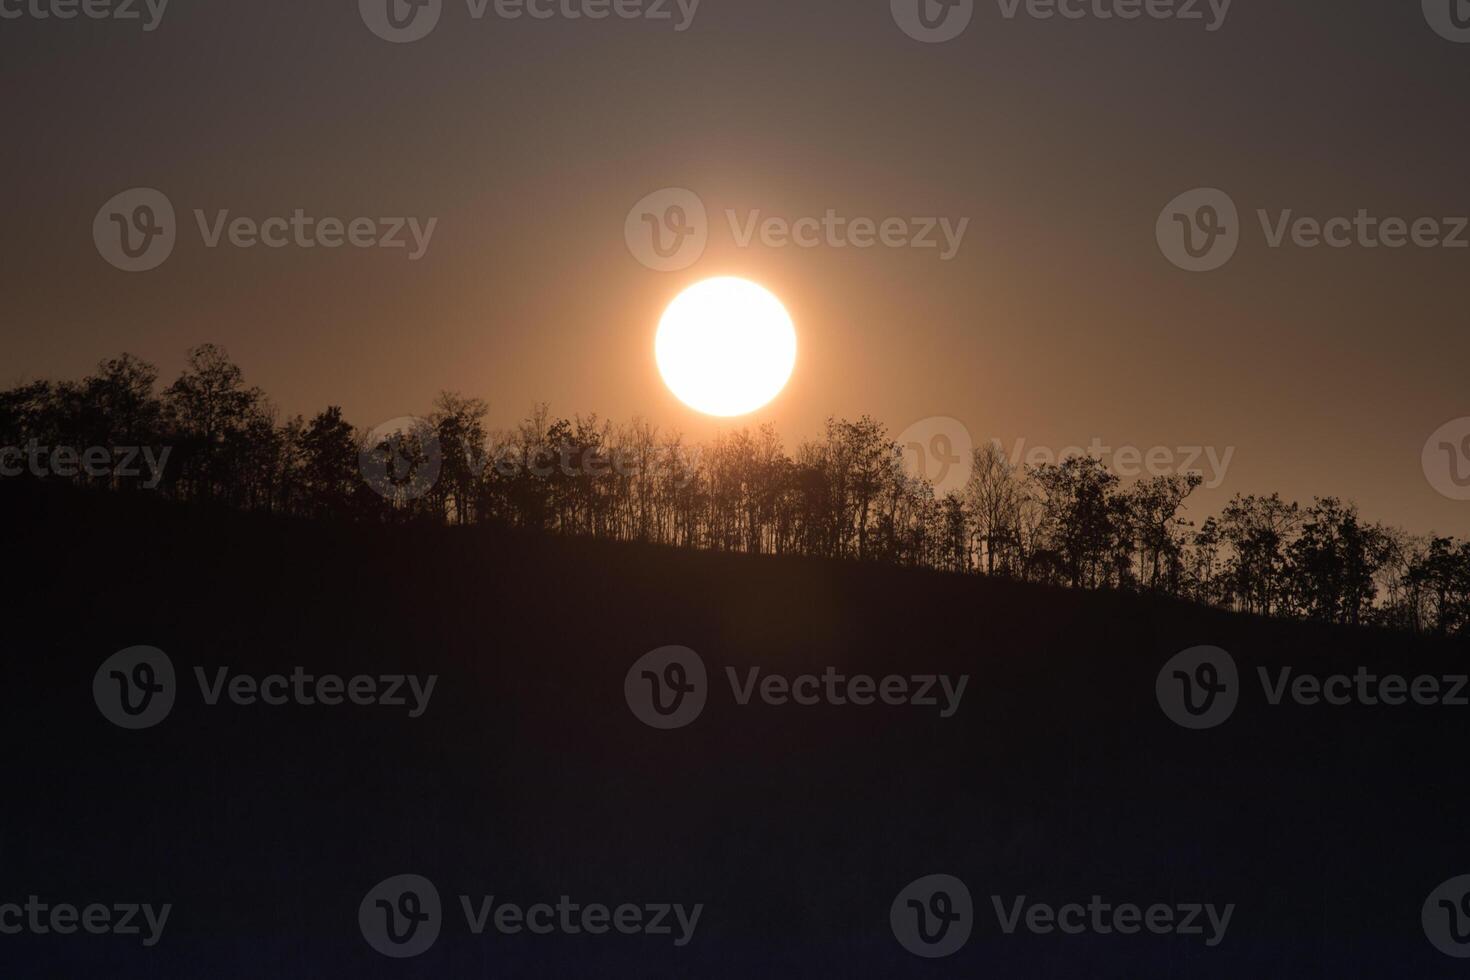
(854, 492)
(528, 775)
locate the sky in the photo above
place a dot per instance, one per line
(1059, 320)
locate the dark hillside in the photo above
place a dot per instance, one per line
(528, 776)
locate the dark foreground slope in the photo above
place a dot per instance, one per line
(528, 777)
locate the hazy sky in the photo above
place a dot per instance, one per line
(1058, 321)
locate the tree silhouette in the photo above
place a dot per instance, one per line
(845, 494)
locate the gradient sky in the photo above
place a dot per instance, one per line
(1060, 141)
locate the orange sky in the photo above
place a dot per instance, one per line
(1058, 321)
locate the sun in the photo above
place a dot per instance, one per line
(725, 346)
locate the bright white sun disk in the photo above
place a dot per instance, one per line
(725, 346)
